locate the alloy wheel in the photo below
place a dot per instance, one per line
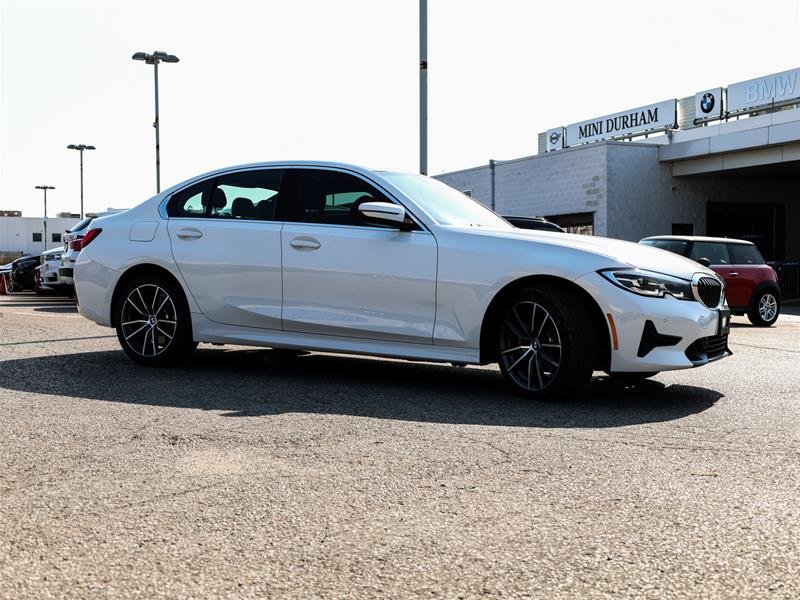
(530, 346)
(148, 320)
(767, 307)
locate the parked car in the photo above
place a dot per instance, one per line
(22, 274)
(72, 245)
(539, 223)
(337, 258)
(5, 273)
(49, 279)
(752, 287)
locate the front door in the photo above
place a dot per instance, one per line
(344, 277)
(228, 247)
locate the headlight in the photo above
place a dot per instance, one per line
(647, 283)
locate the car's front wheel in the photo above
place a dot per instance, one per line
(546, 343)
(153, 321)
(765, 309)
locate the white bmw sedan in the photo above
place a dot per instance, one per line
(337, 258)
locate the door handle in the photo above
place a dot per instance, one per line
(190, 234)
(303, 243)
(733, 274)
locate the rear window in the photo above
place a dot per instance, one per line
(715, 252)
(676, 246)
(745, 254)
(81, 225)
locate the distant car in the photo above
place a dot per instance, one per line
(538, 223)
(751, 284)
(73, 242)
(49, 279)
(5, 273)
(72, 247)
(22, 275)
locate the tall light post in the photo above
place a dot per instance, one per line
(45, 188)
(153, 59)
(423, 87)
(81, 148)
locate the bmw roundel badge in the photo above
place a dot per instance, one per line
(707, 103)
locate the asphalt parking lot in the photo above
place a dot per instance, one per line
(241, 475)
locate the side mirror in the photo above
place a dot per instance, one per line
(383, 213)
(704, 261)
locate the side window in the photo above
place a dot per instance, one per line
(328, 197)
(745, 254)
(189, 203)
(716, 253)
(249, 195)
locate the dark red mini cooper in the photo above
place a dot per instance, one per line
(751, 285)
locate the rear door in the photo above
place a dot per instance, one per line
(747, 271)
(228, 247)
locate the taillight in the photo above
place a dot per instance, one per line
(75, 245)
(90, 235)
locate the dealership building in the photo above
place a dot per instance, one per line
(722, 162)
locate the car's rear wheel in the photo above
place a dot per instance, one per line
(765, 309)
(546, 343)
(153, 322)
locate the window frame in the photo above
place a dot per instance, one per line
(690, 251)
(296, 173)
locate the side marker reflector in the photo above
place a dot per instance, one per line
(614, 338)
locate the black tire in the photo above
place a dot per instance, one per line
(627, 377)
(10, 285)
(148, 310)
(553, 358)
(765, 309)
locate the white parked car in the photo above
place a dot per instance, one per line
(337, 258)
(49, 279)
(72, 245)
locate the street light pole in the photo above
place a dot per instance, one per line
(81, 148)
(45, 188)
(153, 59)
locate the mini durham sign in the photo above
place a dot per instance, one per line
(662, 115)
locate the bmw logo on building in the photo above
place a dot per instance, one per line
(707, 103)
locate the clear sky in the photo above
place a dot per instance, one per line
(339, 80)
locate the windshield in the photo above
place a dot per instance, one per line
(446, 205)
(676, 246)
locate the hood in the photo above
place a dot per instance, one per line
(609, 252)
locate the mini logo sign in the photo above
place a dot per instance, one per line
(707, 102)
(555, 138)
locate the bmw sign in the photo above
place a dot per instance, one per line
(708, 105)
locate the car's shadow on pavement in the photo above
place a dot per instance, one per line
(257, 383)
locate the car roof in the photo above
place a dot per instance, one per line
(697, 238)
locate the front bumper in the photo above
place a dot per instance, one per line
(681, 333)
